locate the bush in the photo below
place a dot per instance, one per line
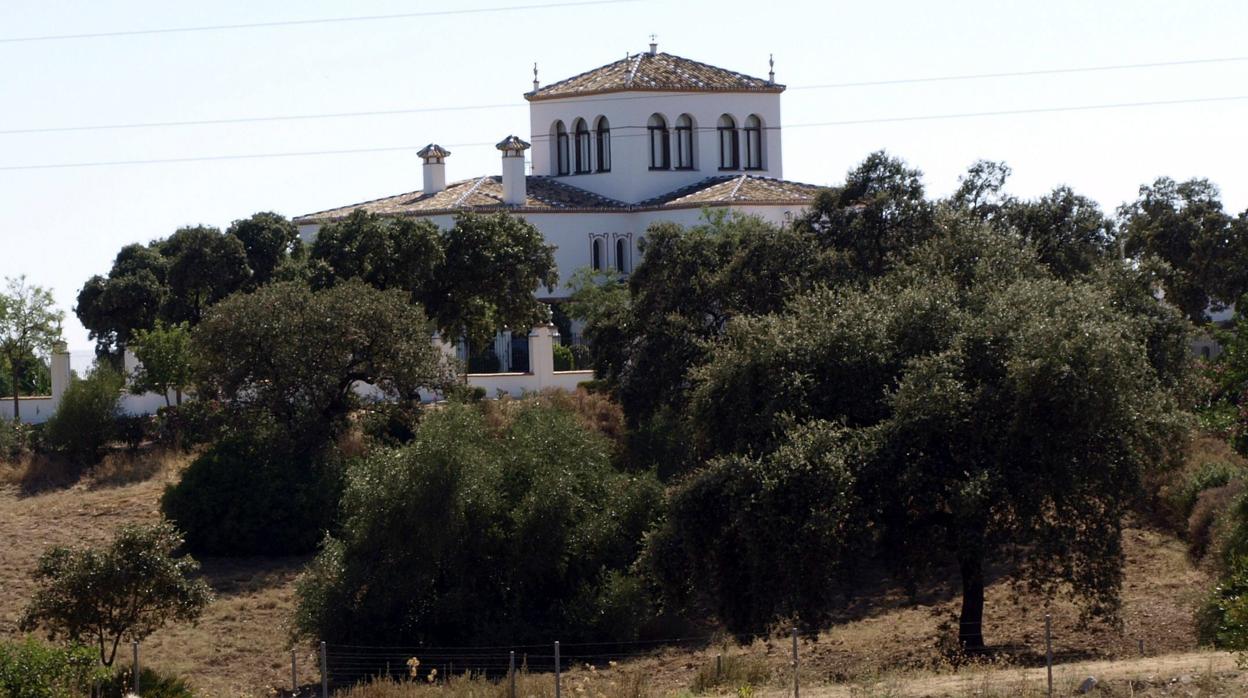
(190, 424)
(390, 423)
(1223, 619)
(564, 360)
(155, 684)
(32, 669)
(86, 418)
(1210, 517)
(1209, 475)
(133, 430)
(254, 493)
(514, 529)
(582, 356)
(15, 440)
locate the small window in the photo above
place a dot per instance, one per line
(582, 146)
(660, 144)
(596, 254)
(753, 143)
(621, 255)
(561, 149)
(603, 131)
(729, 144)
(684, 142)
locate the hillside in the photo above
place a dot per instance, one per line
(240, 647)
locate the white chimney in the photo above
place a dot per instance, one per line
(515, 190)
(434, 156)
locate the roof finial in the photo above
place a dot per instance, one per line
(535, 83)
(771, 63)
(654, 44)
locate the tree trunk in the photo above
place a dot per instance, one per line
(971, 621)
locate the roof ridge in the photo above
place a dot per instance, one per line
(628, 82)
(737, 187)
(471, 190)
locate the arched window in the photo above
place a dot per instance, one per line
(684, 142)
(729, 144)
(621, 255)
(660, 144)
(582, 146)
(595, 254)
(603, 129)
(561, 149)
(753, 143)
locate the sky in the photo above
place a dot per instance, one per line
(60, 225)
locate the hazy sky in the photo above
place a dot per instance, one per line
(59, 226)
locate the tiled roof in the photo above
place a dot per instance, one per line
(545, 194)
(659, 72)
(735, 189)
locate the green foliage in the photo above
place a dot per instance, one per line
(471, 532)
(386, 253)
(155, 684)
(204, 266)
(390, 423)
(129, 588)
(1007, 410)
(1208, 476)
(268, 240)
(255, 492)
(164, 354)
(32, 669)
(15, 440)
(734, 524)
(1223, 618)
(1206, 250)
(29, 324)
(563, 358)
(191, 423)
(85, 421)
(296, 354)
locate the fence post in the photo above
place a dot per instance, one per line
(795, 682)
(511, 672)
(558, 688)
(135, 645)
(324, 672)
(294, 674)
(1048, 650)
(719, 668)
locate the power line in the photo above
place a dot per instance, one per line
(484, 107)
(307, 22)
(822, 124)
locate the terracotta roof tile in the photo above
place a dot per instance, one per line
(546, 194)
(660, 72)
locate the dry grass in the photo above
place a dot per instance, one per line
(608, 682)
(594, 411)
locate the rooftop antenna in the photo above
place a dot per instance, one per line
(654, 44)
(771, 63)
(535, 83)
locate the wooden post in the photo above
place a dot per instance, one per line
(719, 667)
(558, 688)
(135, 645)
(294, 674)
(795, 681)
(1048, 651)
(324, 673)
(511, 672)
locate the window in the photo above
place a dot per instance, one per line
(684, 142)
(561, 149)
(603, 129)
(729, 144)
(621, 255)
(582, 146)
(660, 144)
(753, 143)
(596, 254)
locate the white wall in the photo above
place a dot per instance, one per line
(631, 180)
(34, 410)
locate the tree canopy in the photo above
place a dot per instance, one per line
(29, 324)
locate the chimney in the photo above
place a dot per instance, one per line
(654, 44)
(514, 184)
(434, 156)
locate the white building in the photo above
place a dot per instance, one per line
(652, 137)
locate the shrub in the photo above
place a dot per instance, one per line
(86, 418)
(390, 423)
(254, 493)
(1209, 475)
(15, 440)
(129, 588)
(478, 532)
(1223, 619)
(132, 430)
(564, 360)
(191, 423)
(155, 684)
(1210, 513)
(32, 669)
